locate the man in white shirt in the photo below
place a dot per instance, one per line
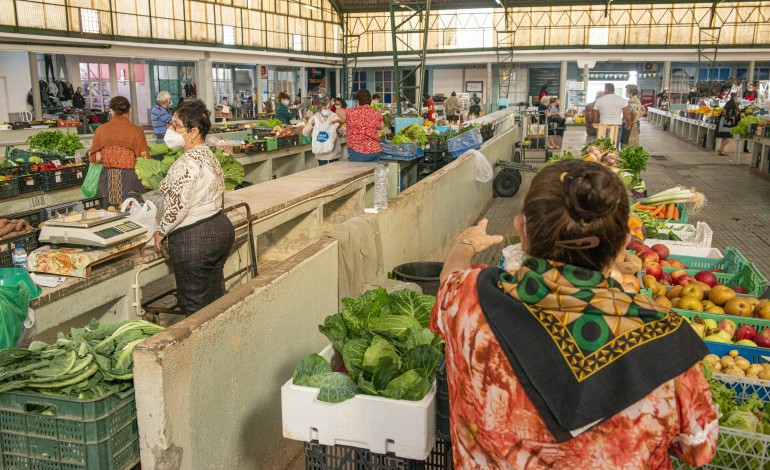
(612, 109)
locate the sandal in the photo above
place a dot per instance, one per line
(723, 153)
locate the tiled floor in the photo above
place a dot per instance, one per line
(738, 208)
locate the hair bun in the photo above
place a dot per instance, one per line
(590, 193)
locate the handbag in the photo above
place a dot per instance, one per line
(90, 187)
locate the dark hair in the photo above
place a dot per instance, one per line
(343, 105)
(543, 88)
(573, 199)
(194, 115)
(363, 97)
(553, 99)
(120, 105)
(609, 88)
(454, 94)
(283, 96)
(376, 96)
(426, 95)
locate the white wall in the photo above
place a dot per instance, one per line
(478, 75)
(447, 80)
(14, 66)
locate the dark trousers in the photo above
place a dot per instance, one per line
(354, 156)
(48, 61)
(326, 162)
(198, 254)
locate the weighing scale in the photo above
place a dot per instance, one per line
(93, 228)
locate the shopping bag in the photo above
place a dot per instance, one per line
(484, 171)
(324, 136)
(90, 187)
(14, 304)
(145, 215)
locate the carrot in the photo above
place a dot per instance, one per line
(676, 213)
(660, 211)
(670, 211)
(642, 207)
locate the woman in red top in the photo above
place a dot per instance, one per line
(363, 124)
(117, 145)
(553, 365)
(431, 107)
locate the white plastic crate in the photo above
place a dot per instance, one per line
(736, 450)
(698, 236)
(744, 387)
(683, 250)
(381, 425)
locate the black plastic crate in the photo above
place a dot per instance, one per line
(63, 177)
(441, 456)
(442, 401)
(294, 140)
(320, 457)
(99, 202)
(30, 183)
(262, 132)
(284, 142)
(7, 245)
(436, 145)
(9, 188)
(13, 154)
(34, 218)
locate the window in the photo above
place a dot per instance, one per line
(166, 78)
(223, 83)
(95, 81)
(359, 81)
(297, 41)
(89, 21)
(707, 74)
(228, 35)
(762, 73)
(599, 36)
(383, 85)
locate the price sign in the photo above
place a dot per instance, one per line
(57, 162)
(37, 201)
(57, 176)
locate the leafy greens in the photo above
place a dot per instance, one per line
(386, 347)
(151, 172)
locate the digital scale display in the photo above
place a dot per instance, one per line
(117, 230)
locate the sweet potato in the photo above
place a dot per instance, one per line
(3, 223)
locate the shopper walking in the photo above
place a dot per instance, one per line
(117, 144)
(589, 117)
(363, 125)
(282, 112)
(324, 127)
(663, 100)
(611, 110)
(475, 108)
(544, 363)
(636, 110)
(431, 105)
(727, 120)
(452, 107)
(161, 116)
(200, 236)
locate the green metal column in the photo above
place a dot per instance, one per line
(708, 43)
(413, 18)
(350, 44)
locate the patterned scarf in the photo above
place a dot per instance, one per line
(582, 348)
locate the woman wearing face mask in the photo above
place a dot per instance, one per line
(324, 126)
(117, 144)
(200, 236)
(282, 111)
(364, 124)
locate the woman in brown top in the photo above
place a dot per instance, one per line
(117, 145)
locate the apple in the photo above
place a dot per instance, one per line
(706, 288)
(692, 290)
(740, 290)
(690, 303)
(655, 270)
(675, 263)
(684, 280)
(710, 324)
(700, 329)
(745, 332)
(708, 304)
(721, 294)
(763, 338)
(753, 301)
(747, 342)
(715, 309)
(631, 283)
(663, 300)
(662, 250)
(728, 326)
(762, 309)
(706, 277)
(649, 257)
(634, 244)
(678, 273)
(642, 249)
(667, 278)
(738, 306)
(675, 291)
(664, 263)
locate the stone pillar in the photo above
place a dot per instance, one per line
(132, 92)
(205, 89)
(667, 75)
(563, 87)
(750, 76)
(586, 73)
(37, 106)
(488, 93)
(258, 86)
(114, 81)
(301, 84)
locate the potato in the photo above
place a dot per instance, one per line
(717, 367)
(711, 359)
(727, 361)
(626, 268)
(733, 353)
(736, 371)
(635, 261)
(751, 376)
(764, 374)
(742, 363)
(754, 369)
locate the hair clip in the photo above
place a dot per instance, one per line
(563, 176)
(579, 243)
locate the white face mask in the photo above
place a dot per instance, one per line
(325, 112)
(173, 139)
(286, 102)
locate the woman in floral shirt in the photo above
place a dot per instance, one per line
(636, 110)
(553, 365)
(363, 126)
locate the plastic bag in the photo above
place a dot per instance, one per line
(14, 305)
(143, 214)
(484, 171)
(90, 187)
(324, 137)
(156, 197)
(405, 150)
(466, 141)
(513, 257)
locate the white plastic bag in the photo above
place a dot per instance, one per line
(484, 171)
(324, 136)
(145, 215)
(513, 257)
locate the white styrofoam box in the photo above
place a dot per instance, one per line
(381, 425)
(683, 250)
(699, 236)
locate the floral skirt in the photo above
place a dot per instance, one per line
(116, 183)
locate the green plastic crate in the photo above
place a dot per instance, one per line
(732, 261)
(757, 323)
(748, 277)
(272, 143)
(684, 215)
(305, 140)
(53, 433)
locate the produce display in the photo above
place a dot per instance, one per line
(708, 111)
(10, 228)
(58, 142)
(742, 128)
(272, 123)
(386, 347)
(151, 172)
(412, 134)
(85, 364)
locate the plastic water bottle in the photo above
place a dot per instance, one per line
(380, 187)
(19, 257)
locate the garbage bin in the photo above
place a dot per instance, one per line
(425, 274)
